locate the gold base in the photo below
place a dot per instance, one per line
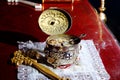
(103, 16)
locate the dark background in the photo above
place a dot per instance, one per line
(113, 15)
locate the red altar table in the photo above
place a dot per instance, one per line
(20, 23)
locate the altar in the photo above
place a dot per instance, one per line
(19, 22)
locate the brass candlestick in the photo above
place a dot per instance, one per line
(102, 9)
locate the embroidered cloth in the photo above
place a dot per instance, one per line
(90, 65)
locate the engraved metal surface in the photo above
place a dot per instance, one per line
(54, 21)
(62, 50)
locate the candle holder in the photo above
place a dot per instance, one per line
(102, 9)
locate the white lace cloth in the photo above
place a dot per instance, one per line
(90, 65)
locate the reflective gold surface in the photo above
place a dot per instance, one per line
(102, 9)
(53, 21)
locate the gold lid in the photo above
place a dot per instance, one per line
(54, 21)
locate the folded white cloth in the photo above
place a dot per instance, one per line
(90, 65)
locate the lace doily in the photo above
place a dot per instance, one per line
(90, 65)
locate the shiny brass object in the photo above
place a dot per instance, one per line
(102, 9)
(62, 50)
(19, 59)
(54, 21)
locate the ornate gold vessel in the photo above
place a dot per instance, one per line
(61, 49)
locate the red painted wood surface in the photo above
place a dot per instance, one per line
(20, 23)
